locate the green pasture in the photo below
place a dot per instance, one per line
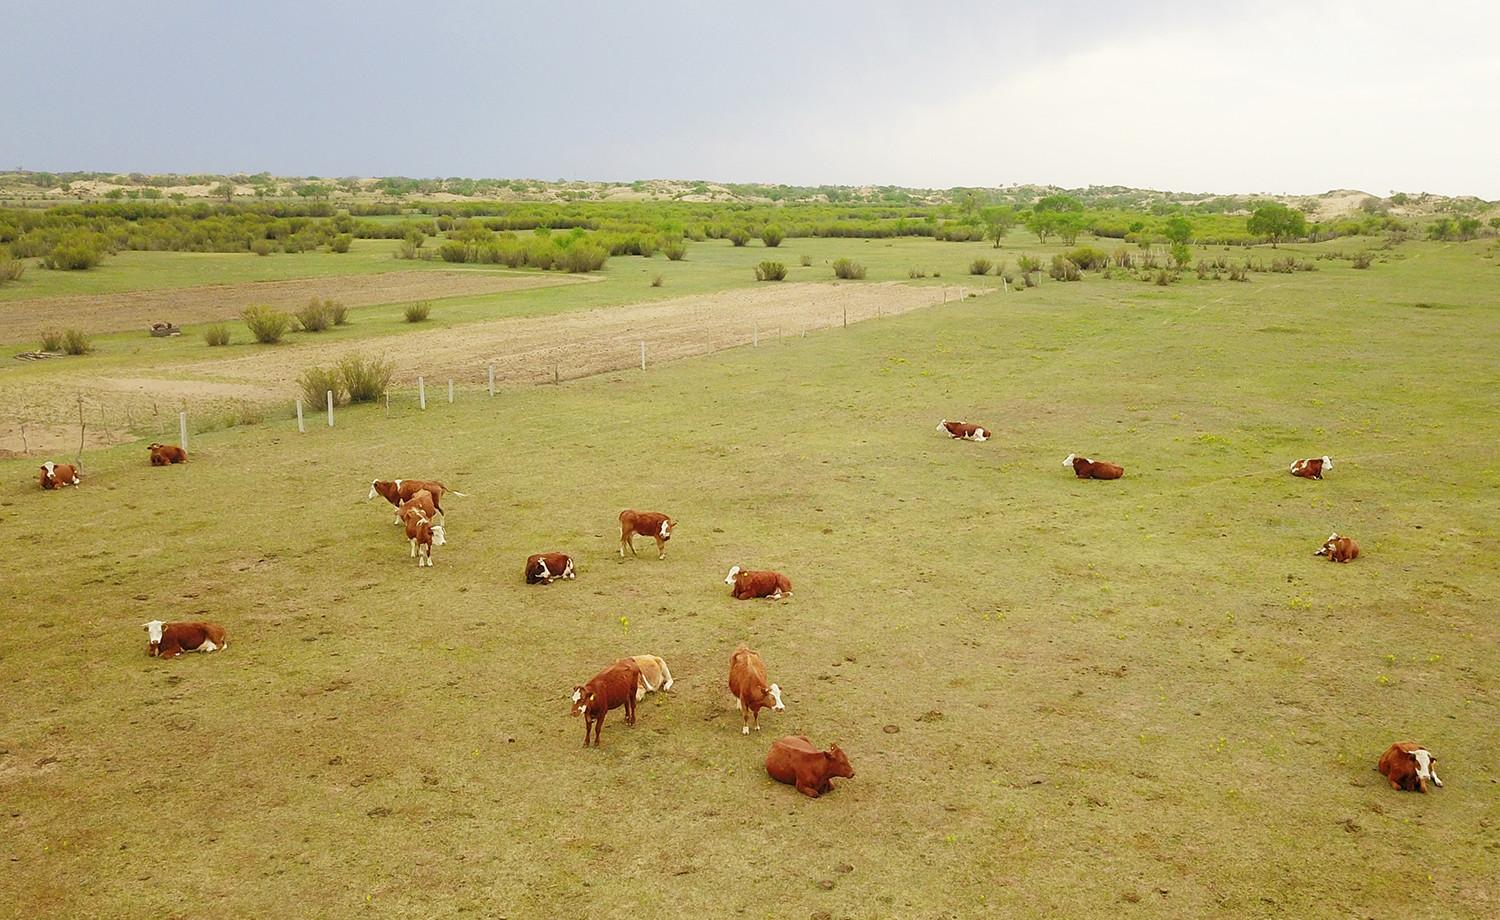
(1060, 698)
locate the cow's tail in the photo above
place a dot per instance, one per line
(448, 491)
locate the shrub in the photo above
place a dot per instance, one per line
(406, 249)
(848, 270)
(581, 257)
(980, 267)
(217, 334)
(364, 379)
(1063, 269)
(266, 324)
(314, 317)
(1162, 277)
(1087, 258)
(341, 242)
(770, 271)
(806, 261)
(915, 273)
(261, 247)
(1363, 259)
(1122, 257)
(11, 269)
(658, 281)
(676, 250)
(418, 312)
(52, 340)
(337, 311)
(772, 236)
(317, 382)
(1181, 254)
(73, 255)
(739, 236)
(1028, 264)
(74, 342)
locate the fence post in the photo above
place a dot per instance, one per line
(330, 408)
(643, 354)
(387, 403)
(755, 335)
(492, 380)
(450, 390)
(555, 381)
(300, 428)
(182, 429)
(846, 317)
(421, 394)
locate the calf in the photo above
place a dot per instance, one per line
(964, 431)
(1084, 468)
(57, 475)
(170, 640)
(1338, 549)
(1408, 766)
(655, 675)
(794, 760)
(646, 524)
(746, 585)
(423, 501)
(422, 534)
(747, 681)
(397, 491)
(1311, 469)
(542, 568)
(166, 454)
(614, 686)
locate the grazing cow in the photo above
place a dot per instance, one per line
(646, 524)
(964, 431)
(655, 675)
(170, 640)
(1313, 468)
(747, 681)
(542, 568)
(1084, 468)
(614, 686)
(166, 454)
(422, 534)
(757, 584)
(794, 760)
(57, 475)
(1408, 766)
(1339, 549)
(397, 491)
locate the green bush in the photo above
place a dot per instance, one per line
(772, 235)
(980, 267)
(10, 269)
(418, 312)
(806, 261)
(73, 255)
(848, 269)
(1181, 254)
(217, 334)
(1063, 269)
(676, 250)
(317, 382)
(770, 271)
(261, 247)
(265, 324)
(739, 236)
(341, 242)
(658, 281)
(915, 273)
(1087, 258)
(52, 340)
(581, 257)
(75, 342)
(364, 379)
(314, 317)
(1362, 259)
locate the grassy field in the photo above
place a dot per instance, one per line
(1060, 698)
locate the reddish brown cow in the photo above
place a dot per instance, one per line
(543, 568)
(170, 640)
(166, 454)
(1338, 549)
(1084, 468)
(646, 524)
(747, 681)
(1408, 766)
(422, 501)
(397, 491)
(794, 760)
(964, 431)
(746, 585)
(614, 686)
(57, 475)
(1313, 468)
(420, 531)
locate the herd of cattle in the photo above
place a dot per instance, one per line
(793, 759)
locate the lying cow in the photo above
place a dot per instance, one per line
(794, 760)
(1084, 468)
(747, 585)
(1408, 766)
(542, 568)
(612, 687)
(1339, 549)
(57, 475)
(1312, 469)
(964, 431)
(166, 454)
(646, 524)
(655, 675)
(747, 681)
(170, 640)
(397, 491)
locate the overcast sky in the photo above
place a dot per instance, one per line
(1190, 96)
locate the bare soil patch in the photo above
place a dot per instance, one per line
(24, 320)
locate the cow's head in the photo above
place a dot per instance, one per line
(1327, 462)
(1426, 770)
(1069, 461)
(733, 571)
(540, 571)
(838, 764)
(775, 692)
(581, 700)
(1327, 548)
(49, 470)
(981, 435)
(666, 528)
(153, 637)
(437, 535)
(943, 425)
(374, 489)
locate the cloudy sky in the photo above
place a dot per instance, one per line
(1296, 97)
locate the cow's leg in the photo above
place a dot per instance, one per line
(807, 789)
(630, 709)
(414, 547)
(661, 548)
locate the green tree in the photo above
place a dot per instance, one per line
(1069, 224)
(1178, 230)
(998, 220)
(225, 191)
(1276, 222)
(1058, 204)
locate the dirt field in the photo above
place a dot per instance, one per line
(24, 320)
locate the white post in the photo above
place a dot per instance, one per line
(450, 390)
(330, 408)
(300, 428)
(182, 429)
(421, 393)
(755, 335)
(492, 380)
(643, 354)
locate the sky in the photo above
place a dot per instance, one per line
(1271, 97)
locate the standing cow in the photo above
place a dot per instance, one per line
(612, 687)
(651, 524)
(747, 681)
(397, 491)
(794, 760)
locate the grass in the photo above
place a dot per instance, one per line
(1144, 696)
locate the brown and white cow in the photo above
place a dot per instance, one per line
(655, 675)
(420, 531)
(397, 491)
(747, 681)
(423, 501)
(746, 585)
(1339, 549)
(170, 640)
(794, 760)
(543, 568)
(1313, 468)
(651, 524)
(1408, 766)
(612, 687)
(57, 475)
(1084, 468)
(964, 431)
(167, 454)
